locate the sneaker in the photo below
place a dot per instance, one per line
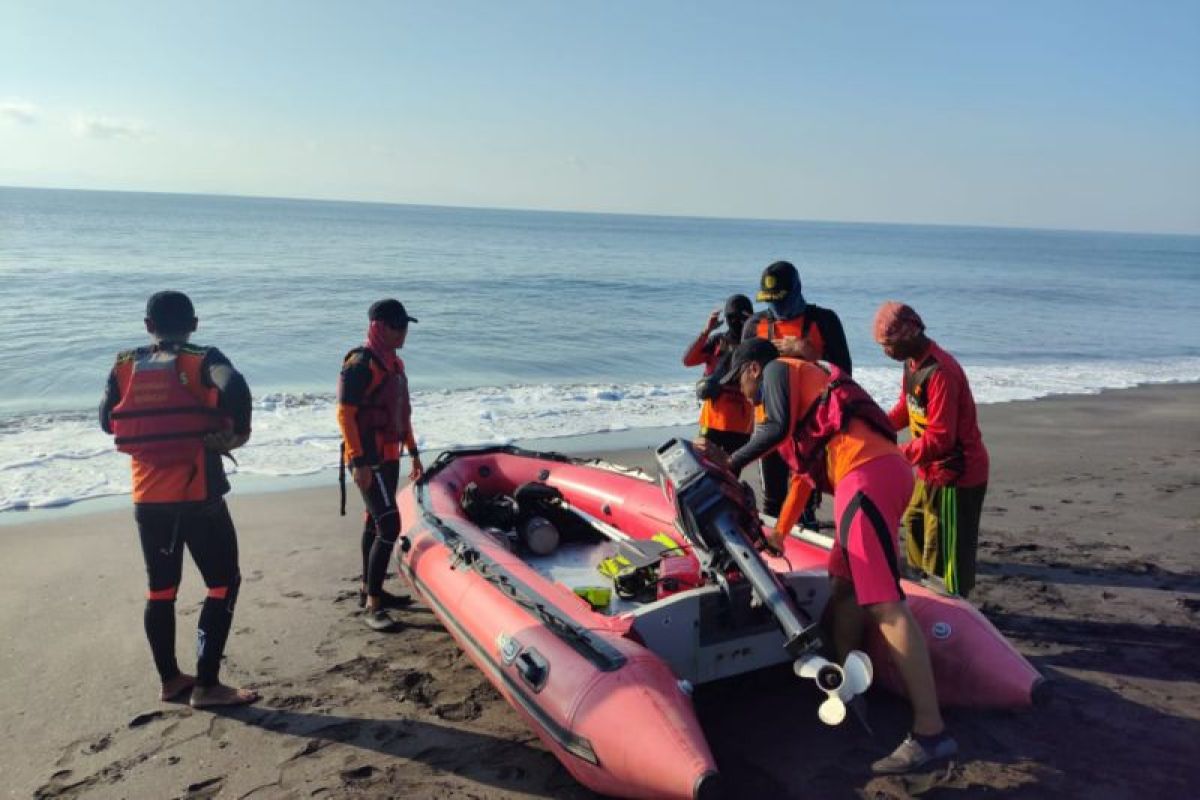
(380, 621)
(390, 600)
(912, 754)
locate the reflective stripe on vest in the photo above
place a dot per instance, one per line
(916, 395)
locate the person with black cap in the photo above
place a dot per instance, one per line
(374, 414)
(834, 437)
(726, 418)
(798, 329)
(176, 408)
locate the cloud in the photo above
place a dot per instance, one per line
(88, 127)
(18, 111)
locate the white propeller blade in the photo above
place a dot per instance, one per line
(832, 711)
(859, 674)
(840, 684)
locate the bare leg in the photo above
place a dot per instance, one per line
(910, 655)
(846, 618)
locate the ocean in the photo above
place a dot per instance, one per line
(532, 324)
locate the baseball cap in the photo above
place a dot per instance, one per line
(756, 351)
(390, 312)
(777, 282)
(171, 312)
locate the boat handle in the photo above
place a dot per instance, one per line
(534, 669)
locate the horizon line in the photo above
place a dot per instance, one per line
(593, 212)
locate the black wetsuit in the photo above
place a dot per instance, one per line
(167, 523)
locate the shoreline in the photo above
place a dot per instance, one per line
(631, 439)
(1089, 564)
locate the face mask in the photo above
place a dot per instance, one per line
(789, 307)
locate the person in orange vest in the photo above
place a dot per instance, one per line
(176, 408)
(946, 447)
(798, 329)
(833, 437)
(726, 418)
(374, 413)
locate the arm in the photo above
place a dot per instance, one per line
(702, 348)
(836, 349)
(112, 396)
(353, 383)
(940, 436)
(800, 488)
(770, 431)
(233, 397)
(898, 415)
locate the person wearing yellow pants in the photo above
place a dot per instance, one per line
(936, 405)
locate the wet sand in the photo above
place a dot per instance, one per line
(1090, 563)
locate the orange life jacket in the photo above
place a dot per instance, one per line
(835, 431)
(165, 409)
(801, 327)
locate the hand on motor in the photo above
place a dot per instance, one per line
(714, 321)
(363, 475)
(795, 347)
(775, 541)
(417, 470)
(224, 441)
(713, 454)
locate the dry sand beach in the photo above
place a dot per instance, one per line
(1090, 563)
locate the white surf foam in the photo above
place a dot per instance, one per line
(51, 460)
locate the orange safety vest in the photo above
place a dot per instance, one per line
(162, 417)
(835, 425)
(801, 327)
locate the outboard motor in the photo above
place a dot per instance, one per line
(718, 515)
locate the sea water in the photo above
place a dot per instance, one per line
(532, 324)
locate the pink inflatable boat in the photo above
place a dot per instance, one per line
(605, 682)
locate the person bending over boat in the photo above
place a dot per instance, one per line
(375, 416)
(834, 437)
(802, 330)
(726, 418)
(937, 407)
(176, 408)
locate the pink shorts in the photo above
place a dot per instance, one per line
(868, 504)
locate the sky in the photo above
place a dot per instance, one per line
(1060, 114)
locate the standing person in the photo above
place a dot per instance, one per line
(176, 408)
(937, 407)
(798, 329)
(374, 414)
(726, 418)
(834, 437)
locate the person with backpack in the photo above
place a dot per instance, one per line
(726, 418)
(176, 408)
(946, 447)
(374, 414)
(833, 437)
(798, 329)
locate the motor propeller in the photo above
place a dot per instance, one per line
(841, 684)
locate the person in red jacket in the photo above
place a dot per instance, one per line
(936, 405)
(726, 418)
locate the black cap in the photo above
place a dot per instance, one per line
(390, 312)
(777, 282)
(751, 351)
(171, 312)
(738, 304)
